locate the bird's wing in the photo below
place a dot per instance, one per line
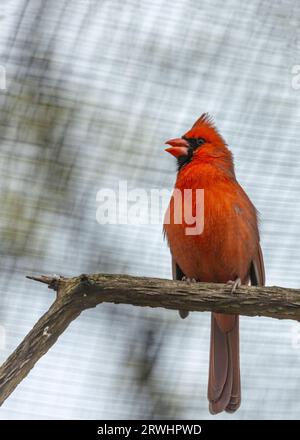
(176, 271)
(257, 269)
(178, 275)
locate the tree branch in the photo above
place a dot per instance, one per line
(86, 291)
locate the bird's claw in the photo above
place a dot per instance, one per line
(233, 285)
(188, 280)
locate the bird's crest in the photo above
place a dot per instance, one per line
(205, 128)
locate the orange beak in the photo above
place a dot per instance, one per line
(179, 147)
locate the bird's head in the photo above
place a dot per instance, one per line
(201, 142)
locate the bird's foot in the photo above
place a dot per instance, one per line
(188, 280)
(233, 285)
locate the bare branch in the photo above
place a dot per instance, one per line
(79, 293)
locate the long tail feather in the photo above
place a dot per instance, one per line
(224, 386)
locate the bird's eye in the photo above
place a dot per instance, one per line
(200, 141)
(195, 142)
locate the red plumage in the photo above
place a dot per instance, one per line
(227, 249)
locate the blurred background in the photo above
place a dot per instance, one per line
(93, 89)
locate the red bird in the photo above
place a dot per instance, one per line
(227, 250)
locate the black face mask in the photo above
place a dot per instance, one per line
(194, 143)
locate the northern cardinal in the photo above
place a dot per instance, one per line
(227, 250)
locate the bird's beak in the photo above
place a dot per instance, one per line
(179, 147)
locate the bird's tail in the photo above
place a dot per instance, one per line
(224, 387)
